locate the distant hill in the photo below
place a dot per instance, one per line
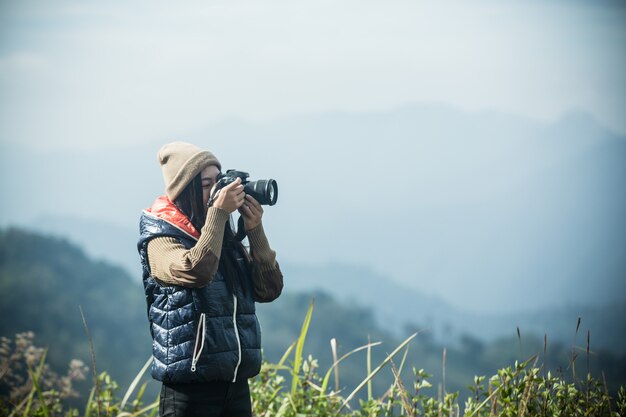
(397, 307)
(44, 279)
(383, 295)
(468, 206)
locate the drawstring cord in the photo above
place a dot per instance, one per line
(199, 338)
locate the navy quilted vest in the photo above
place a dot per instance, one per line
(199, 334)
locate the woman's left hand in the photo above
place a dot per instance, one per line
(252, 212)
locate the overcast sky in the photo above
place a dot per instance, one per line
(486, 191)
(100, 74)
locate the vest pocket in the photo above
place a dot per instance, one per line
(199, 345)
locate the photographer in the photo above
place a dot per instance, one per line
(201, 286)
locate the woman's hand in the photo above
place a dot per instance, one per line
(252, 213)
(231, 197)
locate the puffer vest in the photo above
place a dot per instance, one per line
(198, 334)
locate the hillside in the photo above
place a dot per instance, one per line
(44, 279)
(492, 204)
(446, 323)
(396, 306)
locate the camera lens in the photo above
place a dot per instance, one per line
(264, 191)
(272, 192)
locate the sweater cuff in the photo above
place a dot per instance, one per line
(260, 248)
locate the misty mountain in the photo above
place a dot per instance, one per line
(470, 208)
(394, 306)
(43, 280)
(397, 307)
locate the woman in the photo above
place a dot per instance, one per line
(201, 286)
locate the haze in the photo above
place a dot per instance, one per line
(472, 151)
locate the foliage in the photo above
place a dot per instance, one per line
(44, 280)
(28, 387)
(524, 389)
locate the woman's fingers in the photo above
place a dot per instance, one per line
(252, 202)
(231, 197)
(233, 184)
(250, 210)
(252, 216)
(238, 194)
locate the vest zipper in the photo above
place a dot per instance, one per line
(237, 336)
(199, 339)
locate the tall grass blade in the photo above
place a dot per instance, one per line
(374, 372)
(35, 378)
(89, 404)
(34, 389)
(545, 351)
(588, 337)
(96, 382)
(286, 354)
(333, 348)
(140, 394)
(133, 384)
(137, 413)
(334, 365)
(404, 397)
(443, 379)
(280, 365)
(406, 352)
(492, 393)
(19, 406)
(155, 410)
(574, 355)
(369, 368)
(297, 363)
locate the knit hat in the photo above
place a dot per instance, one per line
(181, 162)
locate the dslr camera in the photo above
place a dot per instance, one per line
(263, 191)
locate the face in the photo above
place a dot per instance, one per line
(209, 178)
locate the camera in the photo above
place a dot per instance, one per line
(263, 191)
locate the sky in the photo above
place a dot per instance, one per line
(104, 74)
(470, 107)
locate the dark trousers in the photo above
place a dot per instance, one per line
(208, 399)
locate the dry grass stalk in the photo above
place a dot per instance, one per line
(406, 403)
(333, 348)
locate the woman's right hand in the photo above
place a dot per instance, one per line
(231, 197)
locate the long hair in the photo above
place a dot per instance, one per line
(190, 203)
(232, 249)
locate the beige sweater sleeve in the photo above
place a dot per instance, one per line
(267, 277)
(172, 264)
(260, 248)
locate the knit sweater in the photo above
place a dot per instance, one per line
(172, 264)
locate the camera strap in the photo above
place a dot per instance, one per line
(241, 230)
(212, 197)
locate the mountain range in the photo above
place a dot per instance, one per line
(395, 307)
(44, 280)
(483, 212)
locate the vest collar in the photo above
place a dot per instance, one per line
(163, 208)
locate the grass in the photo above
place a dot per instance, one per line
(294, 387)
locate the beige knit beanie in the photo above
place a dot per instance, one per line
(181, 162)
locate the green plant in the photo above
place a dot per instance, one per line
(293, 387)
